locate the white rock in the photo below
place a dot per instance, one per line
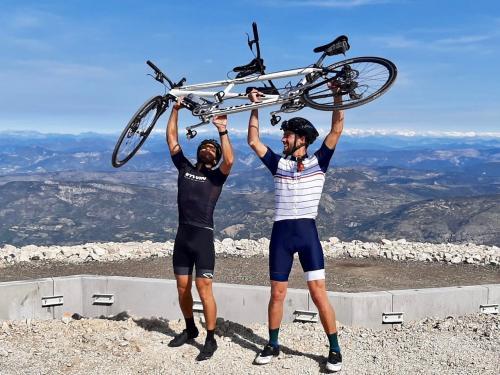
(99, 251)
(23, 257)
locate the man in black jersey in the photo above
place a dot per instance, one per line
(199, 187)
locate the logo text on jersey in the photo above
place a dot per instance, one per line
(194, 177)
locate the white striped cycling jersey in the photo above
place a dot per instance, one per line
(297, 194)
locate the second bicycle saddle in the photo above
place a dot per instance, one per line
(254, 66)
(338, 46)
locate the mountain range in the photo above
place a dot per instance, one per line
(61, 189)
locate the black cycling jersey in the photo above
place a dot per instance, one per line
(198, 192)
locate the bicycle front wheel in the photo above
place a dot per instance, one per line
(361, 80)
(137, 130)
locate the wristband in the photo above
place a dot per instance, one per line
(223, 133)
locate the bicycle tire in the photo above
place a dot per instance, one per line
(371, 71)
(136, 131)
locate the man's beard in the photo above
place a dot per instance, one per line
(207, 159)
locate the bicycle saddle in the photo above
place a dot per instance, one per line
(338, 46)
(254, 66)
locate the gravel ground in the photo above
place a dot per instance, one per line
(124, 345)
(342, 274)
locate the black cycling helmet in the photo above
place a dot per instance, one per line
(301, 126)
(218, 150)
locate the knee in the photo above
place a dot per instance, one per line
(319, 297)
(278, 295)
(182, 290)
(204, 290)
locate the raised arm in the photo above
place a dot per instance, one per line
(220, 123)
(337, 121)
(172, 131)
(253, 137)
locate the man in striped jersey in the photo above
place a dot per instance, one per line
(298, 181)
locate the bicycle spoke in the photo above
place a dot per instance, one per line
(358, 82)
(137, 132)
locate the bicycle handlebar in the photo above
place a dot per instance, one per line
(255, 32)
(255, 39)
(160, 76)
(154, 67)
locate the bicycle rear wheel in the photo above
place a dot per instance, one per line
(137, 130)
(361, 80)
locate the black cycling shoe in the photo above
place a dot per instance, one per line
(182, 338)
(208, 350)
(334, 363)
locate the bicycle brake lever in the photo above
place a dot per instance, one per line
(250, 42)
(180, 83)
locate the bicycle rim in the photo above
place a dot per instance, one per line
(137, 130)
(362, 79)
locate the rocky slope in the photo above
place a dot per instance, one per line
(394, 250)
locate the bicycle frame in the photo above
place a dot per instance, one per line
(229, 84)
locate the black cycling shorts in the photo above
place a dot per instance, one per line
(194, 246)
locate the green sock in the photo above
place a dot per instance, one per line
(273, 337)
(334, 342)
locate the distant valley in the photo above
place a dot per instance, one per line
(62, 190)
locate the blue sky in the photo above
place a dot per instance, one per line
(75, 66)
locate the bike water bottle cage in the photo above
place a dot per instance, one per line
(301, 127)
(338, 46)
(192, 102)
(218, 150)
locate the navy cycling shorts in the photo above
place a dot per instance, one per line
(289, 237)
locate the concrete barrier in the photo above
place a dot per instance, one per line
(144, 297)
(23, 299)
(361, 309)
(71, 288)
(439, 302)
(93, 296)
(493, 293)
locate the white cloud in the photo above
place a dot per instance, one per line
(327, 3)
(353, 132)
(396, 41)
(65, 69)
(414, 133)
(28, 18)
(27, 44)
(459, 42)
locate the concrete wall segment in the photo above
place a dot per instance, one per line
(23, 299)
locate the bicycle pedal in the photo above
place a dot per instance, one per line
(190, 134)
(275, 120)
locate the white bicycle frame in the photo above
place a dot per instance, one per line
(267, 100)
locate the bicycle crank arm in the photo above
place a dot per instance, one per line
(190, 133)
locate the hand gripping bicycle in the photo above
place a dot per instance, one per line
(359, 80)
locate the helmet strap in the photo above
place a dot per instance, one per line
(295, 147)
